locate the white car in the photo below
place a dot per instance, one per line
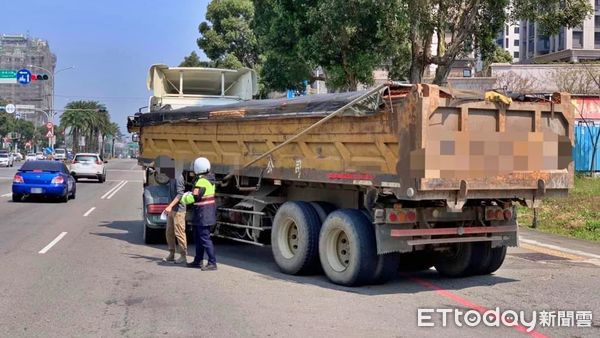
(18, 157)
(40, 156)
(30, 157)
(88, 165)
(6, 160)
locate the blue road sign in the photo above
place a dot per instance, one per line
(24, 76)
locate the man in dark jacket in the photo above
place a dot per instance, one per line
(201, 201)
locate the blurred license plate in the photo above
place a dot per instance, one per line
(36, 190)
(85, 163)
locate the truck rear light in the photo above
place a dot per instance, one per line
(18, 179)
(495, 213)
(58, 180)
(508, 214)
(499, 215)
(401, 215)
(155, 209)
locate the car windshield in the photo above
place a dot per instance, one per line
(59, 151)
(41, 165)
(85, 158)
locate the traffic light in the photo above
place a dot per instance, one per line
(39, 77)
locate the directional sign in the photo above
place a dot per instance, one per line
(10, 108)
(8, 76)
(24, 76)
(49, 125)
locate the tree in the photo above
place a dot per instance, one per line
(347, 38)
(84, 118)
(227, 35)
(512, 82)
(191, 61)
(462, 26)
(576, 79)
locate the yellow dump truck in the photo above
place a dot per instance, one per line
(357, 184)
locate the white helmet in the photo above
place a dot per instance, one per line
(201, 165)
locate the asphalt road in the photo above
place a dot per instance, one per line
(99, 279)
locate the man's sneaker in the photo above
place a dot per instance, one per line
(209, 267)
(194, 264)
(170, 257)
(182, 259)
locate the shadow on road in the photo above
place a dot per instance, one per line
(260, 260)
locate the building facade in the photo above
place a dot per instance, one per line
(19, 52)
(509, 39)
(570, 45)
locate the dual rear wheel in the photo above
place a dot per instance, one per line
(308, 238)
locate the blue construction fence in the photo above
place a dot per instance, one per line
(582, 153)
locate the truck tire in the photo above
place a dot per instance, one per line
(456, 262)
(152, 236)
(485, 259)
(323, 209)
(295, 238)
(347, 248)
(416, 261)
(495, 261)
(386, 268)
(387, 264)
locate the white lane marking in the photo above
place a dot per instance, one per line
(89, 211)
(6, 178)
(51, 244)
(6, 195)
(559, 248)
(111, 189)
(132, 181)
(116, 190)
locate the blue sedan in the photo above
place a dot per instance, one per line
(43, 178)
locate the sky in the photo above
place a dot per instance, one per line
(111, 44)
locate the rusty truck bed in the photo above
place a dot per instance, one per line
(419, 142)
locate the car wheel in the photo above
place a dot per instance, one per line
(65, 198)
(152, 236)
(17, 197)
(73, 194)
(102, 178)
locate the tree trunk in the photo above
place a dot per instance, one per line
(75, 134)
(441, 74)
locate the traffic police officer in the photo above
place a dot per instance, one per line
(204, 210)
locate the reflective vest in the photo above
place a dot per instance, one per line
(205, 210)
(209, 191)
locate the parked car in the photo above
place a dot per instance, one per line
(88, 165)
(60, 154)
(30, 157)
(43, 178)
(40, 156)
(6, 160)
(18, 157)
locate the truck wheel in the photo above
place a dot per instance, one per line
(323, 209)
(456, 261)
(416, 261)
(295, 238)
(485, 259)
(496, 258)
(347, 248)
(386, 268)
(151, 236)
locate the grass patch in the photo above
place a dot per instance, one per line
(577, 215)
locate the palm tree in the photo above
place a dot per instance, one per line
(82, 117)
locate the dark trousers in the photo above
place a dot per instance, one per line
(203, 242)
